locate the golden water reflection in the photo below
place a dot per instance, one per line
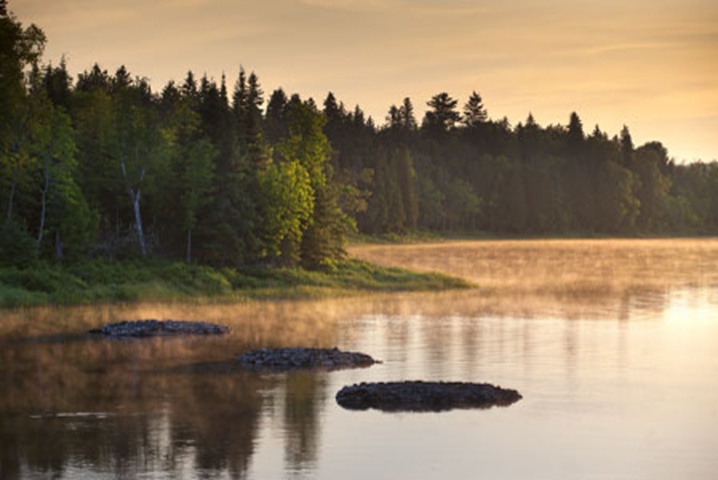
(572, 324)
(574, 278)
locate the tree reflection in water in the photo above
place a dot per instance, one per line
(124, 408)
(74, 404)
(112, 407)
(304, 398)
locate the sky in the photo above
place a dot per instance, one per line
(649, 64)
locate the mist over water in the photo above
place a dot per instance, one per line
(612, 344)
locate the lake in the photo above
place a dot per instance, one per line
(612, 343)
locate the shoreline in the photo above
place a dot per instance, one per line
(103, 282)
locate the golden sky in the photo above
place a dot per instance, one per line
(649, 64)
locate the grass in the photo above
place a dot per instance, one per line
(101, 281)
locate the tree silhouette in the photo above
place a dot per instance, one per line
(443, 115)
(474, 111)
(196, 173)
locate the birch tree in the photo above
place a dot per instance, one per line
(138, 146)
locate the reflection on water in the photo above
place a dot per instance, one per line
(618, 370)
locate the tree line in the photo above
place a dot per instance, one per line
(103, 166)
(460, 171)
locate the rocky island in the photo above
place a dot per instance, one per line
(153, 328)
(424, 396)
(295, 358)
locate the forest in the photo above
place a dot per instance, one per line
(102, 166)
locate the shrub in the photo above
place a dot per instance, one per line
(17, 247)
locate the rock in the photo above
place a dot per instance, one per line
(287, 359)
(151, 328)
(424, 396)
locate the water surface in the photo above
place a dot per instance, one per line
(613, 344)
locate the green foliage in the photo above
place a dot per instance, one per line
(65, 216)
(41, 278)
(103, 281)
(17, 247)
(359, 274)
(108, 168)
(288, 208)
(323, 243)
(324, 234)
(197, 279)
(649, 161)
(618, 208)
(19, 48)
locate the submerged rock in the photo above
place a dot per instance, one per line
(295, 358)
(151, 328)
(424, 396)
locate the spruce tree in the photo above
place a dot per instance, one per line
(474, 111)
(443, 115)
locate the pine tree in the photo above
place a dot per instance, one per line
(231, 236)
(626, 143)
(574, 135)
(322, 241)
(58, 85)
(443, 115)
(474, 111)
(192, 169)
(407, 184)
(20, 48)
(275, 124)
(406, 115)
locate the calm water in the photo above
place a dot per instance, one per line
(613, 344)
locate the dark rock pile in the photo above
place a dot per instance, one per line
(286, 359)
(424, 396)
(151, 328)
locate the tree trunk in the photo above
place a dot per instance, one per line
(11, 197)
(58, 246)
(189, 246)
(43, 205)
(135, 197)
(13, 185)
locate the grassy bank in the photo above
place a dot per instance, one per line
(101, 281)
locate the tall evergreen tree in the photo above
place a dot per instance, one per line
(323, 240)
(626, 143)
(406, 115)
(19, 48)
(407, 184)
(58, 85)
(574, 135)
(231, 236)
(192, 168)
(275, 124)
(474, 111)
(649, 164)
(443, 115)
